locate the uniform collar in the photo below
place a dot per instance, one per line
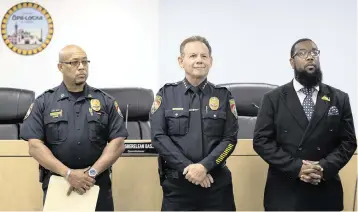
(203, 86)
(63, 92)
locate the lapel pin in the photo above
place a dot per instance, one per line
(325, 98)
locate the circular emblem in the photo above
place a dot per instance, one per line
(27, 28)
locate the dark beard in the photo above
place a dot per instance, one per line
(308, 79)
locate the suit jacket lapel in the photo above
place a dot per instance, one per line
(319, 110)
(294, 105)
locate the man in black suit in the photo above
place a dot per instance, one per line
(305, 132)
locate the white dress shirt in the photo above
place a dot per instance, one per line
(301, 96)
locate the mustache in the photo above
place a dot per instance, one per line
(310, 64)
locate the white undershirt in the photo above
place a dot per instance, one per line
(301, 96)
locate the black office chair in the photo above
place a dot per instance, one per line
(14, 104)
(135, 104)
(248, 98)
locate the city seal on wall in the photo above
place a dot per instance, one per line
(27, 28)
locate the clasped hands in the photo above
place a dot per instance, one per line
(311, 172)
(80, 181)
(197, 174)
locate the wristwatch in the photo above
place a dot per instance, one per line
(92, 172)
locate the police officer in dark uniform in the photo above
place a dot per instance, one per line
(194, 129)
(68, 128)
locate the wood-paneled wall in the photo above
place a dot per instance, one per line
(136, 181)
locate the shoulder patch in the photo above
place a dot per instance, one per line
(29, 111)
(103, 92)
(117, 108)
(233, 107)
(156, 104)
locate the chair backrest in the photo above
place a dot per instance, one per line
(248, 98)
(135, 104)
(14, 103)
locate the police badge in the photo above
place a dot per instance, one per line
(95, 105)
(214, 103)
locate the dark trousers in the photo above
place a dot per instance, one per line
(181, 195)
(105, 198)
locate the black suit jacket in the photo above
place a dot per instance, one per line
(284, 137)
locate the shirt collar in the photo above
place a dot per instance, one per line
(298, 86)
(63, 92)
(203, 85)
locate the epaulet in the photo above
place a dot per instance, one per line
(173, 83)
(217, 86)
(103, 92)
(48, 91)
(51, 90)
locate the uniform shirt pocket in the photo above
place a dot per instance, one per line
(56, 129)
(214, 122)
(177, 122)
(97, 125)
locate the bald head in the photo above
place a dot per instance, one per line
(73, 64)
(71, 52)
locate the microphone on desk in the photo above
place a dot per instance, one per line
(127, 116)
(254, 105)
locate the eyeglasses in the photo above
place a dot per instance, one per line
(304, 53)
(77, 63)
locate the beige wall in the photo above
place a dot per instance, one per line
(136, 181)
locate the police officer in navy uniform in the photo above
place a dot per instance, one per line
(76, 131)
(194, 130)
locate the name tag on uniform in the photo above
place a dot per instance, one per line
(178, 108)
(56, 113)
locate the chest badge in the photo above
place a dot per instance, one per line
(214, 103)
(95, 104)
